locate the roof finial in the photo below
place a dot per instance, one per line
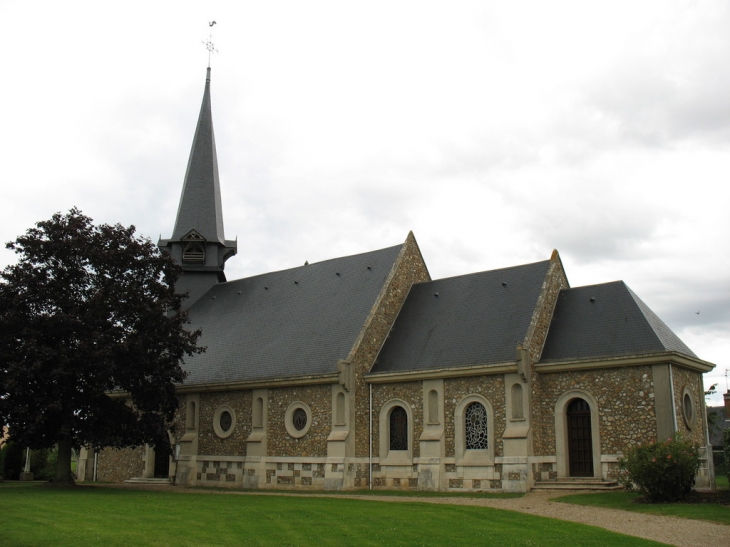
(209, 42)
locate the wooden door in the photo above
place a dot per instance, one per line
(162, 460)
(580, 440)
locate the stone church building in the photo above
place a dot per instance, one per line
(362, 371)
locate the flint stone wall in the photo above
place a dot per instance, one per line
(314, 443)
(119, 464)
(625, 399)
(410, 269)
(235, 444)
(691, 380)
(411, 393)
(492, 389)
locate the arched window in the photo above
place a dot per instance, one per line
(476, 427)
(398, 429)
(474, 420)
(395, 439)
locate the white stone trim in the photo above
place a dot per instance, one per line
(289, 419)
(217, 419)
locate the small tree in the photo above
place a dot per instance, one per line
(663, 470)
(88, 311)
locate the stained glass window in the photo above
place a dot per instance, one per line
(475, 426)
(299, 419)
(398, 429)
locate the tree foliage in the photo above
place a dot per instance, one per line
(89, 311)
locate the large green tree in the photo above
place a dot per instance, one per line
(92, 336)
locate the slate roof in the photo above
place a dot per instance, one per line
(475, 319)
(616, 324)
(200, 201)
(286, 324)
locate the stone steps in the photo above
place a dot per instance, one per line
(582, 484)
(143, 480)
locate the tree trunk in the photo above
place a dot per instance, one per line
(64, 477)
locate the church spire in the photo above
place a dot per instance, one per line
(200, 203)
(198, 242)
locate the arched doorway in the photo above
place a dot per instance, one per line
(162, 459)
(580, 439)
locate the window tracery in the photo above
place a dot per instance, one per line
(476, 427)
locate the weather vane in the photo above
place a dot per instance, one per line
(209, 42)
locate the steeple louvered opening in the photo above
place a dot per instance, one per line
(193, 248)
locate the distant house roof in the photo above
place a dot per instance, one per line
(460, 321)
(606, 320)
(285, 324)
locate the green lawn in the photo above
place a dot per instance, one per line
(626, 501)
(34, 515)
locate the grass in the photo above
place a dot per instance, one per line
(626, 501)
(33, 515)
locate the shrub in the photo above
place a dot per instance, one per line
(662, 471)
(726, 449)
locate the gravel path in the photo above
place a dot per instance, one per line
(669, 530)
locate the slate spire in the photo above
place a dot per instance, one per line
(200, 202)
(198, 242)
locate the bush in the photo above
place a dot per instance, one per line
(662, 471)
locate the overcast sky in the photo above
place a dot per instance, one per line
(496, 131)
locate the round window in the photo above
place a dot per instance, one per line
(224, 421)
(298, 419)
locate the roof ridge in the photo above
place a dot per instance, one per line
(484, 272)
(310, 264)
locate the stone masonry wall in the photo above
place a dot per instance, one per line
(492, 389)
(692, 380)
(409, 269)
(235, 444)
(625, 399)
(118, 465)
(410, 392)
(314, 443)
(555, 281)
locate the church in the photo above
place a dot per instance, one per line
(363, 372)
